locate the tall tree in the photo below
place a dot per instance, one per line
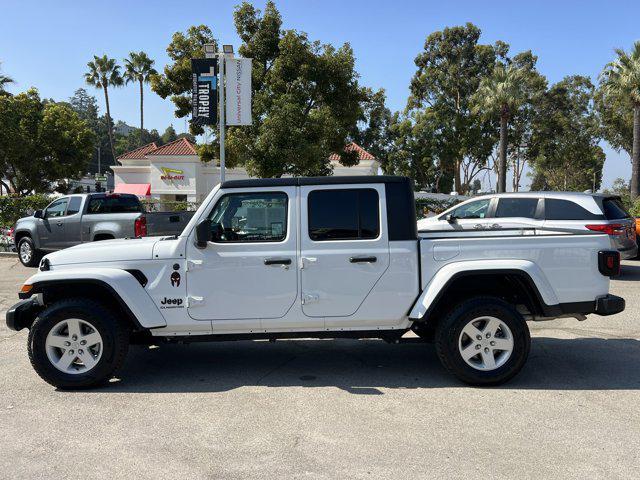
(564, 147)
(42, 143)
(413, 149)
(502, 94)
(175, 81)
(621, 83)
(169, 135)
(4, 81)
(372, 131)
(306, 99)
(86, 106)
(138, 67)
(449, 72)
(103, 73)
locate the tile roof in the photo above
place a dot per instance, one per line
(139, 153)
(362, 153)
(182, 146)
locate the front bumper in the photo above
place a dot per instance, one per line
(609, 305)
(22, 314)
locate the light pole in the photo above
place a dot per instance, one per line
(227, 51)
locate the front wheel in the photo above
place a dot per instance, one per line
(483, 341)
(77, 343)
(29, 256)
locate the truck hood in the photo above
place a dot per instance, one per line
(106, 251)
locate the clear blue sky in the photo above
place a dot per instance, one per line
(47, 44)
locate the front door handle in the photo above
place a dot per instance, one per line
(363, 259)
(59, 224)
(277, 261)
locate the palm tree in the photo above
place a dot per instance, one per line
(139, 68)
(4, 80)
(622, 77)
(103, 73)
(502, 93)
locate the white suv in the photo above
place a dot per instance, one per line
(550, 210)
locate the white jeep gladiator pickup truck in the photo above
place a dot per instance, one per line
(311, 258)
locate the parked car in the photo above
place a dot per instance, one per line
(570, 211)
(75, 219)
(324, 257)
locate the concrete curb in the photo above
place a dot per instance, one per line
(8, 254)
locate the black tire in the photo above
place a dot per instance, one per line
(115, 342)
(34, 258)
(448, 336)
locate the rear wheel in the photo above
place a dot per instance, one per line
(29, 256)
(483, 341)
(77, 343)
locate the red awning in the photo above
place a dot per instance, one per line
(139, 189)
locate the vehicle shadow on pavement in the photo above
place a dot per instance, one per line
(629, 273)
(367, 367)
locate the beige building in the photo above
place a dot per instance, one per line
(174, 171)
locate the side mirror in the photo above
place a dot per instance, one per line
(203, 233)
(451, 218)
(38, 214)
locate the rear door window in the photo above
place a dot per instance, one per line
(114, 204)
(556, 209)
(74, 205)
(516, 207)
(343, 214)
(614, 209)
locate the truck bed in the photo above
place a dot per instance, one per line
(564, 261)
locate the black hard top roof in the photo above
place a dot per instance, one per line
(299, 181)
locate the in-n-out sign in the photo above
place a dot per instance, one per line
(171, 174)
(237, 91)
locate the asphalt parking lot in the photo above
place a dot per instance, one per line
(332, 409)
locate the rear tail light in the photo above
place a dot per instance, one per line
(611, 229)
(140, 227)
(609, 263)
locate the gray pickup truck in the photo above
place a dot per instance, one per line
(75, 219)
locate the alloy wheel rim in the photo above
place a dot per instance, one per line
(25, 252)
(485, 343)
(74, 346)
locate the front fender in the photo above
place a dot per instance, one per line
(30, 230)
(449, 272)
(120, 282)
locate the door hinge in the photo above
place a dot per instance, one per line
(194, 301)
(307, 298)
(193, 264)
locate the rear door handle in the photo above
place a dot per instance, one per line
(363, 259)
(277, 261)
(59, 224)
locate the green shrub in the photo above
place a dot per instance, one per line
(635, 208)
(13, 207)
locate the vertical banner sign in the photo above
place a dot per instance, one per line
(204, 91)
(238, 91)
